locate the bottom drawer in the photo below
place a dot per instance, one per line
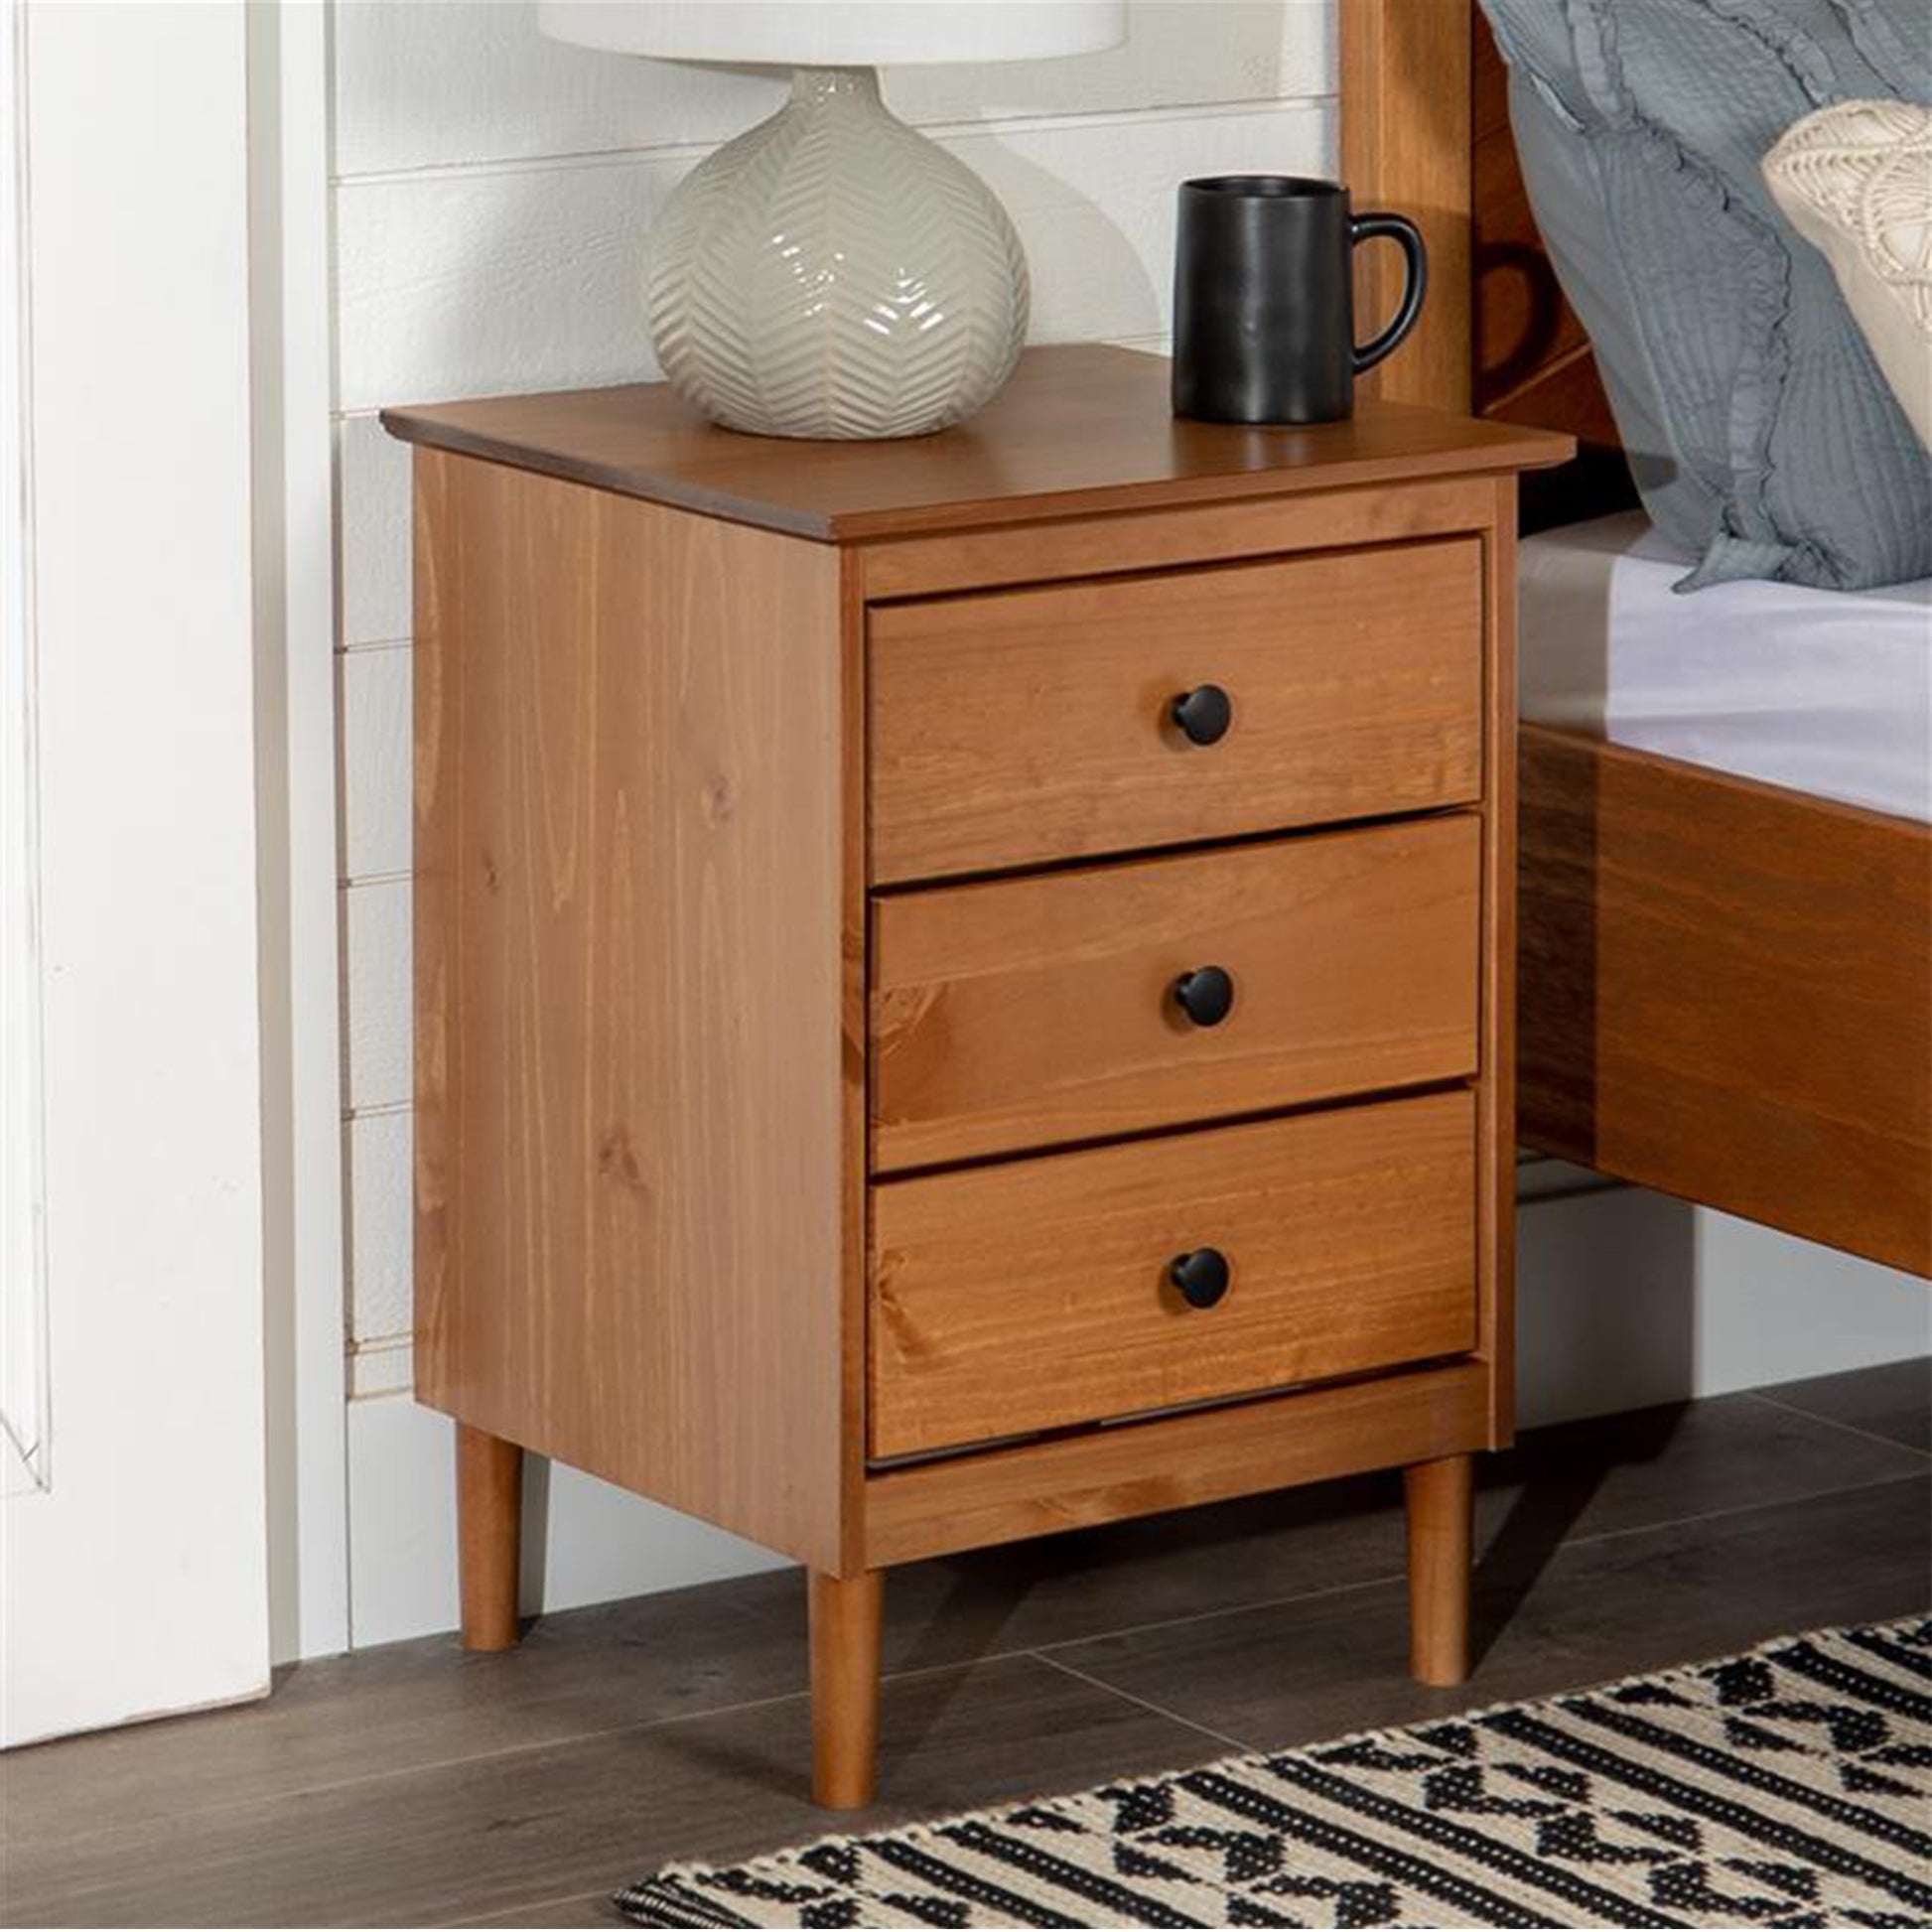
(1039, 1293)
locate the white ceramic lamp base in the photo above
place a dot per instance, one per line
(832, 273)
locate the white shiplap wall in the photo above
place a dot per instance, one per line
(494, 198)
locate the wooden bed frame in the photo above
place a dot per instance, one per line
(1725, 987)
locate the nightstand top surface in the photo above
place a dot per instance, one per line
(1079, 430)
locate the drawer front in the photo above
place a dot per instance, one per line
(1036, 1293)
(1019, 1013)
(1024, 726)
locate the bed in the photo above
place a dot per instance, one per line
(1725, 907)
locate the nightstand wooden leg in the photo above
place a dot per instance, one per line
(845, 1615)
(1440, 1526)
(490, 1535)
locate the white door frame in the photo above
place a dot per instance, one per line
(135, 1578)
(24, 1444)
(291, 342)
(294, 364)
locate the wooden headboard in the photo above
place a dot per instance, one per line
(1425, 132)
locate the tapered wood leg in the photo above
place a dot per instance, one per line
(844, 1613)
(1439, 1499)
(490, 1535)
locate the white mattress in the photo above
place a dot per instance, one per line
(1828, 691)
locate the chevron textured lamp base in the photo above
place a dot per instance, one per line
(831, 273)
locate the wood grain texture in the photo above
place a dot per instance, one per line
(1141, 1468)
(855, 1048)
(1034, 725)
(845, 1615)
(490, 1537)
(1404, 146)
(1035, 1295)
(1726, 992)
(634, 1063)
(662, 761)
(1020, 1013)
(1496, 1086)
(1440, 1499)
(1099, 546)
(1079, 428)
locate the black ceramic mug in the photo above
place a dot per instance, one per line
(1264, 306)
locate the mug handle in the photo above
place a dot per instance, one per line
(1367, 227)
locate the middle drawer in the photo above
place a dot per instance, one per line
(1028, 1013)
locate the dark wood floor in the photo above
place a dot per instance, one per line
(414, 1785)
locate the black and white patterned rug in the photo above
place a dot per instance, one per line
(1791, 1786)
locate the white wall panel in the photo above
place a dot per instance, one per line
(380, 1224)
(458, 83)
(464, 82)
(381, 1365)
(1175, 55)
(372, 482)
(519, 279)
(529, 278)
(1625, 1298)
(374, 698)
(1770, 1309)
(376, 924)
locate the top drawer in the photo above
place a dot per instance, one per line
(1018, 727)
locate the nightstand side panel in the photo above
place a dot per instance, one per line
(633, 1126)
(1496, 1088)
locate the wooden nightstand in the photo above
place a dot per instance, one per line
(963, 987)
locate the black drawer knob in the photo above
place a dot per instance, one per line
(1201, 1277)
(1206, 995)
(1204, 714)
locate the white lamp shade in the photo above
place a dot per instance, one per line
(839, 33)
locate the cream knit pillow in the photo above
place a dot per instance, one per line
(1855, 181)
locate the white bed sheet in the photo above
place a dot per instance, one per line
(1828, 691)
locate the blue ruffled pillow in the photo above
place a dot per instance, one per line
(1760, 432)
